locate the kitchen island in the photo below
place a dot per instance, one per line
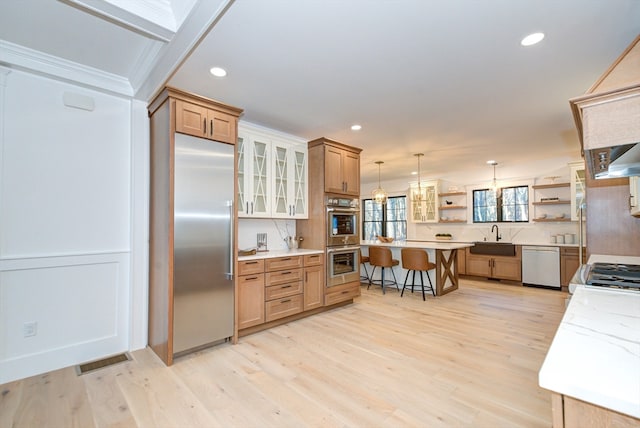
(443, 254)
(593, 364)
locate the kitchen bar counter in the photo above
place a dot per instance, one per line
(595, 354)
(442, 253)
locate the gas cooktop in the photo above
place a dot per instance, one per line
(614, 275)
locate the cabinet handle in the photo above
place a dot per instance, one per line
(251, 278)
(250, 263)
(345, 292)
(285, 301)
(285, 273)
(204, 125)
(630, 204)
(247, 208)
(285, 286)
(286, 259)
(252, 208)
(306, 277)
(211, 127)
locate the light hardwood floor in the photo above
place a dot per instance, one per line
(470, 358)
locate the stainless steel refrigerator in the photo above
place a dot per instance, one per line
(203, 302)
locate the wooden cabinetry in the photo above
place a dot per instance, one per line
(424, 202)
(250, 293)
(634, 196)
(272, 174)
(498, 267)
(568, 412)
(342, 293)
(341, 167)
(283, 287)
(456, 210)
(551, 202)
(171, 112)
(313, 281)
(198, 118)
(569, 264)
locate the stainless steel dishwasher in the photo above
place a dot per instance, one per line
(541, 266)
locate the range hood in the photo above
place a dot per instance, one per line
(608, 119)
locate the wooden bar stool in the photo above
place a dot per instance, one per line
(415, 259)
(381, 257)
(363, 260)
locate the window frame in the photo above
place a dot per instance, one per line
(499, 204)
(384, 220)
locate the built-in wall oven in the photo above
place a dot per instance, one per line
(342, 221)
(343, 265)
(343, 241)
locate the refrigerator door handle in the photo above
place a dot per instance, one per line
(231, 258)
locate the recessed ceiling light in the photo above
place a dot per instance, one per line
(492, 162)
(532, 39)
(356, 127)
(218, 72)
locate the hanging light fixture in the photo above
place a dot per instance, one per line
(417, 196)
(379, 195)
(494, 183)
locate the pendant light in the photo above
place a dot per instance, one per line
(417, 196)
(494, 183)
(379, 195)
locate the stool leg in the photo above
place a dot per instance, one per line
(405, 283)
(422, 284)
(413, 281)
(395, 280)
(433, 290)
(372, 272)
(366, 272)
(382, 282)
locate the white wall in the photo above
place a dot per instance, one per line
(69, 198)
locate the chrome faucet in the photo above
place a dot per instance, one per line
(498, 237)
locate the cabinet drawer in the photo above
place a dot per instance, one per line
(313, 259)
(281, 308)
(247, 267)
(341, 293)
(282, 290)
(279, 263)
(283, 276)
(251, 279)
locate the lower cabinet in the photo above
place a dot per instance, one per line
(340, 293)
(274, 288)
(498, 267)
(569, 264)
(568, 412)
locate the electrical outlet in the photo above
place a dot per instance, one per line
(30, 329)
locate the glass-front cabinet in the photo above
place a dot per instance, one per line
(578, 190)
(253, 176)
(289, 180)
(272, 174)
(424, 202)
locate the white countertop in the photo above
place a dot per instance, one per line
(595, 354)
(431, 245)
(280, 253)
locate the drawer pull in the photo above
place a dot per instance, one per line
(252, 278)
(345, 292)
(286, 286)
(251, 263)
(286, 259)
(285, 301)
(285, 273)
(314, 257)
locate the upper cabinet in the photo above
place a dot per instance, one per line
(424, 202)
(342, 168)
(196, 119)
(272, 174)
(578, 190)
(289, 180)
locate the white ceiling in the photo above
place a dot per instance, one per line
(446, 78)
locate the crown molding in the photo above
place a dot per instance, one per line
(20, 57)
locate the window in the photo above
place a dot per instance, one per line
(389, 219)
(509, 204)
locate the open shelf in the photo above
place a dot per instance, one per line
(549, 220)
(550, 186)
(452, 207)
(558, 202)
(452, 221)
(452, 194)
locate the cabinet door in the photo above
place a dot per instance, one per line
(280, 181)
(634, 195)
(299, 182)
(568, 264)
(424, 203)
(333, 174)
(250, 300)
(578, 190)
(351, 173)
(507, 268)
(191, 119)
(289, 181)
(221, 127)
(253, 176)
(313, 287)
(479, 265)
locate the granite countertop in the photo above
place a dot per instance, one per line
(434, 245)
(534, 244)
(595, 354)
(280, 253)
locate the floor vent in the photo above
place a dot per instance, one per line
(105, 362)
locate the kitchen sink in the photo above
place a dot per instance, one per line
(493, 248)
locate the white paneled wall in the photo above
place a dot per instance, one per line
(65, 224)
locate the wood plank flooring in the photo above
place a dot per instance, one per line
(466, 359)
